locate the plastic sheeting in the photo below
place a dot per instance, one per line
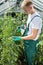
(38, 4)
(6, 5)
(2, 1)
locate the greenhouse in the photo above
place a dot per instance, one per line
(12, 33)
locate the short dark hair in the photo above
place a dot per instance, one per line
(28, 3)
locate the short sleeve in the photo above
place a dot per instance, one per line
(37, 23)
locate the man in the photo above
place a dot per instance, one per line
(32, 31)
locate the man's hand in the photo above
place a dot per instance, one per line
(20, 27)
(15, 38)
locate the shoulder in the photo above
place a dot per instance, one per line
(37, 18)
(37, 21)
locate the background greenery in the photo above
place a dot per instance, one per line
(11, 53)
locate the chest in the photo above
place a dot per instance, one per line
(29, 22)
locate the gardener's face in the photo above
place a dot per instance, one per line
(28, 10)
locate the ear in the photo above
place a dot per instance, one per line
(30, 6)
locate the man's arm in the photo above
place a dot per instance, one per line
(31, 36)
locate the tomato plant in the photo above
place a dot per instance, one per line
(10, 51)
